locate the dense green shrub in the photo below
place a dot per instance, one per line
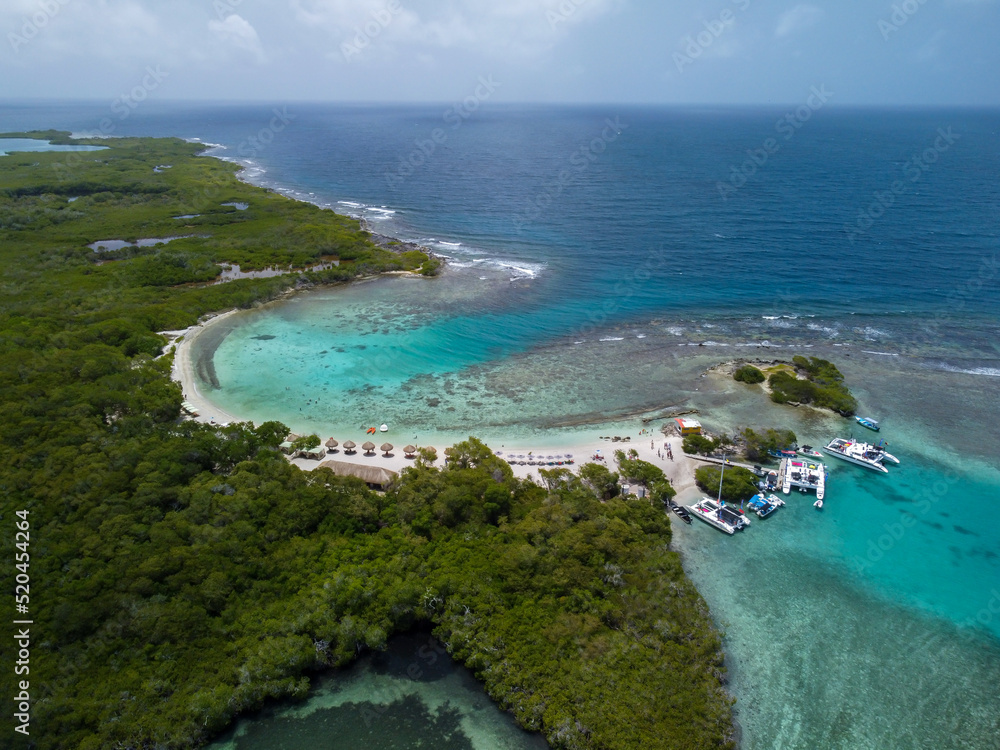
(757, 444)
(699, 445)
(738, 484)
(749, 374)
(823, 386)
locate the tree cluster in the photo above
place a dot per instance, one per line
(823, 386)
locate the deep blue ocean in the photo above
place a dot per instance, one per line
(601, 259)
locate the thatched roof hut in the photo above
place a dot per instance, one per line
(375, 477)
(386, 447)
(368, 447)
(349, 445)
(410, 450)
(331, 444)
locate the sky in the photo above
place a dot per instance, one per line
(864, 52)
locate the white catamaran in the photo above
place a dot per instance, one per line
(806, 475)
(718, 514)
(857, 452)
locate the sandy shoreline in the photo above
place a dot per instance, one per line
(647, 440)
(183, 371)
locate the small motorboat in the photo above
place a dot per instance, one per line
(818, 505)
(680, 510)
(782, 453)
(764, 506)
(808, 450)
(871, 424)
(770, 481)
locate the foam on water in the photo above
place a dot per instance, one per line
(992, 372)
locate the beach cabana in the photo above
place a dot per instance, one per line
(331, 445)
(349, 446)
(287, 447)
(409, 450)
(386, 447)
(376, 477)
(317, 452)
(368, 447)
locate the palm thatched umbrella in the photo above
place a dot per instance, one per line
(331, 444)
(368, 446)
(386, 447)
(349, 446)
(409, 450)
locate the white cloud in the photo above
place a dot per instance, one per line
(798, 18)
(240, 33)
(512, 29)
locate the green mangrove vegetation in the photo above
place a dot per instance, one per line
(820, 383)
(184, 573)
(756, 444)
(749, 374)
(737, 483)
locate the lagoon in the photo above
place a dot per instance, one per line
(17, 145)
(410, 696)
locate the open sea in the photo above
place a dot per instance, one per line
(600, 261)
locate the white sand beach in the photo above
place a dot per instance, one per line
(680, 470)
(183, 371)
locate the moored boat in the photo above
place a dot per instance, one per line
(783, 453)
(862, 454)
(769, 482)
(871, 424)
(886, 456)
(764, 506)
(806, 476)
(711, 512)
(808, 450)
(716, 513)
(679, 510)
